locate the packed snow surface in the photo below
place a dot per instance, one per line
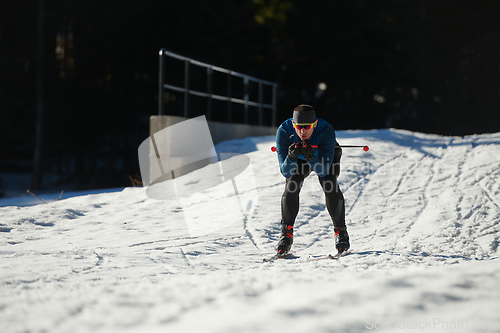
(423, 214)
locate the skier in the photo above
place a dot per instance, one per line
(305, 143)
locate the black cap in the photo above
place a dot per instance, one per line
(304, 114)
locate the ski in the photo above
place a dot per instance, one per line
(329, 256)
(290, 255)
(279, 256)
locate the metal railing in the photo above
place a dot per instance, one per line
(210, 95)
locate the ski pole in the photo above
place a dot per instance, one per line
(365, 148)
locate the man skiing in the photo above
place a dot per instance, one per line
(305, 143)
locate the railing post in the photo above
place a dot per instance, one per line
(229, 115)
(260, 103)
(245, 97)
(186, 87)
(210, 92)
(160, 85)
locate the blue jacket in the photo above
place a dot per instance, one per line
(323, 137)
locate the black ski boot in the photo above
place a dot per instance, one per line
(341, 239)
(286, 239)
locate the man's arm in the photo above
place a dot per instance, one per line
(283, 141)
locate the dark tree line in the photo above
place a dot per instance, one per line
(429, 66)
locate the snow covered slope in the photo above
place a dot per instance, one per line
(423, 213)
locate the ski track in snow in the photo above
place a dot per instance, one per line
(423, 214)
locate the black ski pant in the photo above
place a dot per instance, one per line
(333, 195)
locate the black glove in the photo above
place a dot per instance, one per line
(336, 161)
(307, 151)
(293, 151)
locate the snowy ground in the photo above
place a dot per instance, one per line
(423, 213)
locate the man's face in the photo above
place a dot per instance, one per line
(304, 133)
